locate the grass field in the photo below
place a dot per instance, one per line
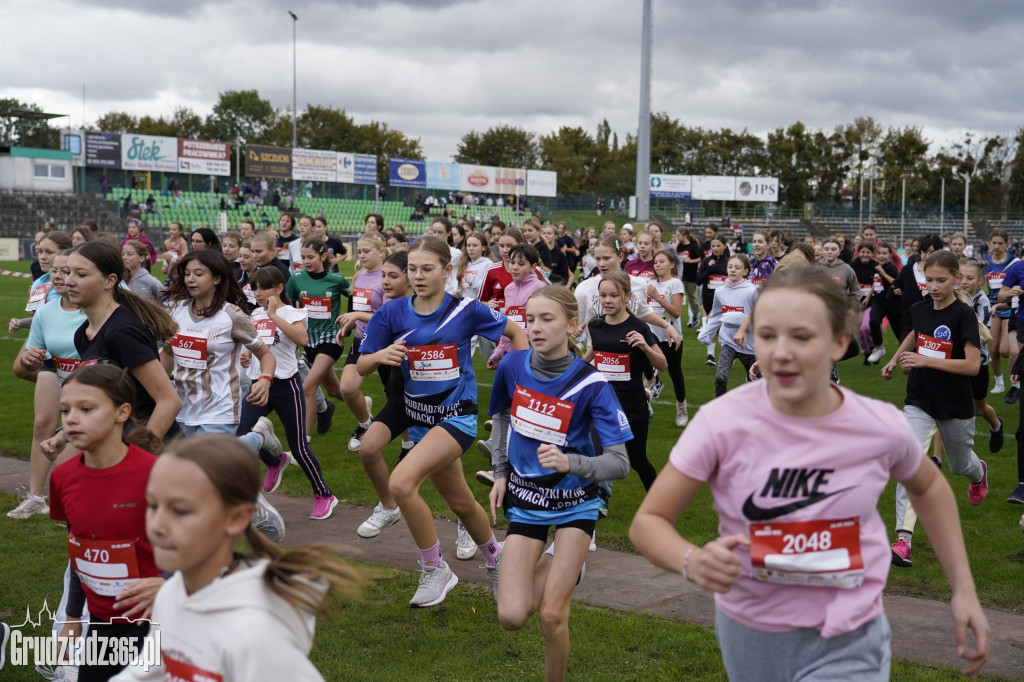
(617, 646)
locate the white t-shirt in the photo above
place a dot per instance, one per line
(473, 277)
(589, 302)
(451, 285)
(295, 253)
(667, 289)
(280, 345)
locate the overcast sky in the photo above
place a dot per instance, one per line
(436, 69)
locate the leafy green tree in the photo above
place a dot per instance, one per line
(902, 154)
(575, 155)
(241, 113)
(1015, 191)
(377, 138)
(117, 122)
(504, 145)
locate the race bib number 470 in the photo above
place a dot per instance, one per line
(822, 553)
(105, 567)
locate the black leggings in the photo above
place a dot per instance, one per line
(875, 321)
(637, 451)
(288, 400)
(675, 368)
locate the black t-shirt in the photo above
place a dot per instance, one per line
(336, 248)
(691, 250)
(865, 271)
(124, 342)
(890, 269)
(942, 333)
(566, 241)
(559, 266)
(282, 247)
(611, 338)
(911, 295)
(276, 263)
(545, 253)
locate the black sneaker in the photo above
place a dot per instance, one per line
(938, 462)
(995, 439)
(1017, 496)
(403, 453)
(325, 419)
(1012, 396)
(356, 440)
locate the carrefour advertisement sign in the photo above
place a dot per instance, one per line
(665, 186)
(149, 153)
(441, 175)
(408, 173)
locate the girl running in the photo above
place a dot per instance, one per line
(665, 296)
(230, 245)
(973, 273)
(866, 269)
(367, 297)
(390, 421)
(220, 609)
(762, 262)
(545, 404)
(881, 300)
(319, 292)
(442, 229)
(688, 250)
(711, 276)
(135, 228)
(283, 329)
(523, 261)
(41, 290)
(941, 356)
(428, 337)
(136, 262)
(729, 311)
(472, 272)
(643, 264)
(295, 246)
(499, 276)
(623, 349)
(996, 265)
(175, 246)
(783, 611)
(560, 272)
(50, 352)
(100, 494)
(247, 266)
(122, 329)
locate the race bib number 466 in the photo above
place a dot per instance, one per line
(822, 553)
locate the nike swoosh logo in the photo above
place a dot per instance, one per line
(755, 513)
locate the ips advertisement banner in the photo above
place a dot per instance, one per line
(476, 178)
(408, 173)
(714, 187)
(757, 189)
(203, 157)
(149, 153)
(103, 150)
(441, 175)
(668, 186)
(270, 162)
(541, 183)
(314, 164)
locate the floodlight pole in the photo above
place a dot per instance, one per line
(295, 98)
(942, 207)
(967, 197)
(643, 145)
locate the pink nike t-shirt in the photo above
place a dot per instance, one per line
(806, 491)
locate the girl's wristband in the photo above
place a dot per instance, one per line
(686, 563)
(269, 377)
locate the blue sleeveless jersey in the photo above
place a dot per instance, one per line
(561, 411)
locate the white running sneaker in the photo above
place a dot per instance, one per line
(30, 506)
(435, 584)
(682, 416)
(357, 436)
(593, 542)
(876, 355)
(465, 548)
(380, 519)
(999, 387)
(268, 520)
(265, 428)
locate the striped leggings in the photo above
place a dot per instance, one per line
(287, 399)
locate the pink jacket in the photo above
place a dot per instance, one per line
(516, 295)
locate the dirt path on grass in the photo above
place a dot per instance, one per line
(921, 628)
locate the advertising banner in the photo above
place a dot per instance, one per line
(149, 153)
(74, 141)
(103, 150)
(509, 181)
(668, 186)
(476, 178)
(541, 183)
(314, 164)
(441, 175)
(203, 157)
(269, 162)
(366, 169)
(714, 187)
(407, 173)
(757, 189)
(345, 167)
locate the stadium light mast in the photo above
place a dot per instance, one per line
(643, 143)
(295, 99)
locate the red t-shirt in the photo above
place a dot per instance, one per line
(106, 514)
(641, 268)
(497, 279)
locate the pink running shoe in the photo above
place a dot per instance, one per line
(323, 506)
(273, 477)
(901, 554)
(977, 492)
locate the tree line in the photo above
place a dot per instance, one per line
(824, 166)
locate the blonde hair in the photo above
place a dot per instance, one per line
(621, 280)
(945, 259)
(566, 299)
